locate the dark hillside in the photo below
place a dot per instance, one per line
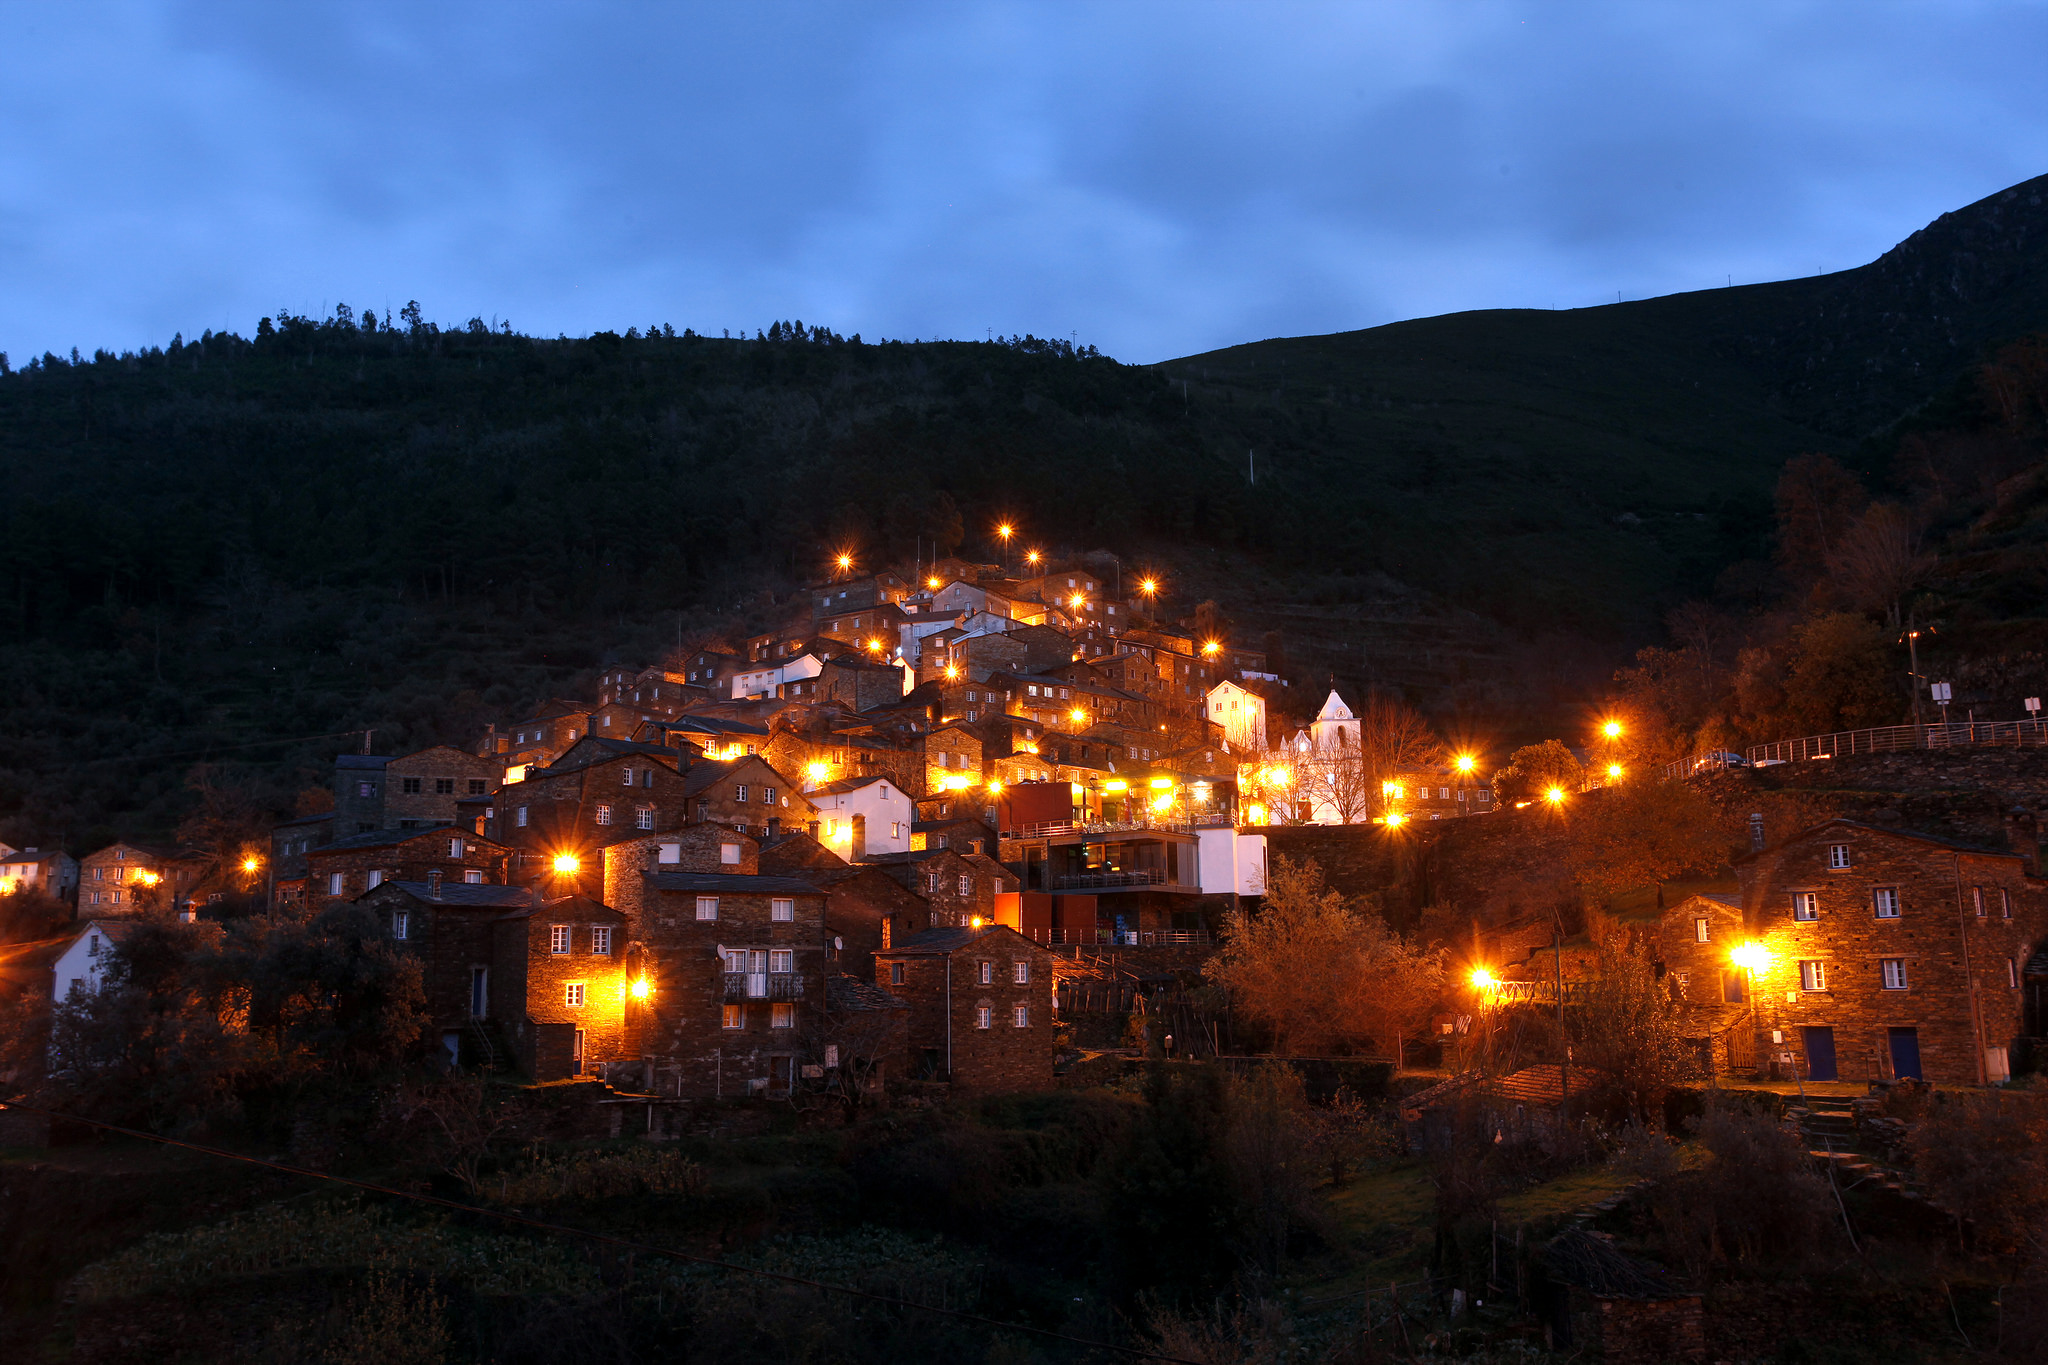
(352, 522)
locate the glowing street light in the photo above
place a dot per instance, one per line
(1211, 647)
(640, 989)
(932, 583)
(1395, 819)
(1148, 586)
(1614, 771)
(844, 562)
(1752, 957)
(1466, 763)
(952, 671)
(1484, 980)
(1077, 715)
(1612, 729)
(819, 772)
(566, 862)
(1032, 557)
(250, 864)
(1555, 796)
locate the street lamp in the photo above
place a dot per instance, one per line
(1612, 729)
(1555, 796)
(1005, 530)
(566, 863)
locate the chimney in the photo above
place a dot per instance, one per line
(433, 883)
(1756, 831)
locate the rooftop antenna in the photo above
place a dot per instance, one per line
(366, 740)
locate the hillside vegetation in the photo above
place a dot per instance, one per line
(363, 521)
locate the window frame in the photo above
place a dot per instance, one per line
(707, 909)
(1878, 895)
(1892, 974)
(1805, 907)
(575, 994)
(601, 940)
(1839, 858)
(782, 909)
(561, 940)
(1813, 975)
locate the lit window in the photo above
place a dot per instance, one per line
(1700, 929)
(401, 924)
(1886, 899)
(558, 938)
(1021, 973)
(733, 1016)
(782, 908)
(1894, 970)
(1838, 855)
(984, 1017)
(988, 973)
(1023, 1016)
(473, 876)
(1805, 905)
(707, 907)
(572, 995)
(782, 1016)
(1813, 976)
(604, 814)
(601, 940)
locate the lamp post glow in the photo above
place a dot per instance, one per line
(1483, 980)
(1395, 819)
(1612, 729)
(566, 862)
(640, 989)
(1555, 796)
(1005, 530)
(1032, 557)
(1466, 763)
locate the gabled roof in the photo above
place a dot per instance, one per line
(916, 855)
(115, 929)
(1334, 708)
(590, 750)
(731, 884)
(712, 725)
(465, 895)
(699, 776)
(580, 907)
(842, 786)
(944, 942)
(385, 838)
(1843, 822)
(843, 992)
(304, 820)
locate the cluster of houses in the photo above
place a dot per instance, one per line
(869, 840)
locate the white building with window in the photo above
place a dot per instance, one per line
(81, 967)
(1241, 713)
(859, 817)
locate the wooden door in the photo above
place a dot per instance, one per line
(1820, 1054)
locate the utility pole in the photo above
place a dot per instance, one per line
(1913, 664)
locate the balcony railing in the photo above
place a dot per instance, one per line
(1144, 824)
(763, 986)
(1149, 876)
(1109, 938)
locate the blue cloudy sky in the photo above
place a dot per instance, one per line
(1158, 179)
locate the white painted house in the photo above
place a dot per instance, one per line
(752, 684)
(1241, 713)
(82, 964)
(1231, 863)
(862, 816)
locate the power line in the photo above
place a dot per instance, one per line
(196, 753)
(605, 1238)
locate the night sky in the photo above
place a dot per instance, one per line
(1157, 179)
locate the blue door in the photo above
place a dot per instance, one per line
(1820, 1054)
(1906, 1052)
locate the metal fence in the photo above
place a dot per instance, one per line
(1881, 739)
(1118, 938)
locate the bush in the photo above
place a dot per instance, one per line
(550, 1179)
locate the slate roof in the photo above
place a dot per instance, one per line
(843, 785)
(580, 906)
(734, 884)
(386, 838)
(940, 942)
(1841, 822)
(601, 749)
(369, 761)
(843, 992)
(472, 895)
(304, 820)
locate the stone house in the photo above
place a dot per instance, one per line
(450, 928)
(127, 878)
(980, 1006)
(963, 834)
(547, 734)
(597, 793)
(831, 599)
(731, 960)
(1858, 953)
(290, 842)
(959, 886)
(349, 866)
(421, 789)
(47, 872)
(712, 670)
(859, 684)
(358, 793)
(559, 988)
(865, 911)
(745, 794)
(951, 759)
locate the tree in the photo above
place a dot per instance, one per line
(943, 524)
(1817, 502)
(1355, 781)
(1879, 560)
(1840, 676)
(1644, 830)
(1533, 770)
(1320, 974)
(1626, 1027)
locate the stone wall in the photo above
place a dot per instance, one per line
(1001, 1057)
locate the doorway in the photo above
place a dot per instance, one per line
(576, 1055)
(780, 1069)
(1820, 1054)
(1905, 1044)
